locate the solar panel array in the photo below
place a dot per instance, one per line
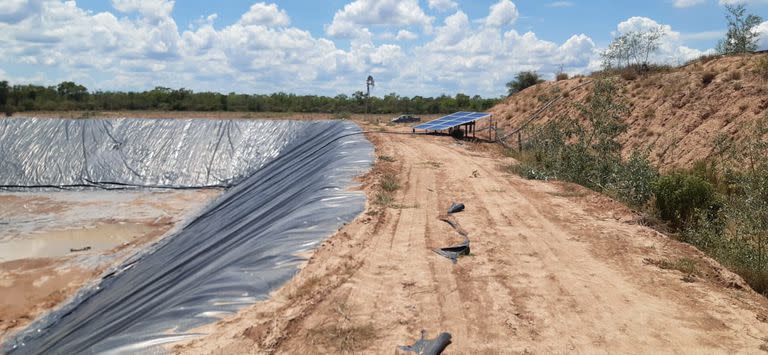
(452, 120)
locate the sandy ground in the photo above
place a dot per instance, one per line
(554, 268)
(53, 243)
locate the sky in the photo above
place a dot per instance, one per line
(410, 47)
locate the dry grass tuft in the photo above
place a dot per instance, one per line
(343, 334)
(687, 266)
(305, 288)
(387, 158)
(389, 182)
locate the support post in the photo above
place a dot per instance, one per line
(490, 128)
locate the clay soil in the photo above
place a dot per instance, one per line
(554, 268)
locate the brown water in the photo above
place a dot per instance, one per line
(57, 243)
(39, 230)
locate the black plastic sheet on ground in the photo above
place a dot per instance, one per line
(138, 152)
(291, 192)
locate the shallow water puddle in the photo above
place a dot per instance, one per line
(56, 243)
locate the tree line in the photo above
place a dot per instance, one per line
(70, 96)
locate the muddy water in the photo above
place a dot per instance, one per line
(63, 223)
(51, 243)
(57, 243)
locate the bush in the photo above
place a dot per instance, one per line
(635, 183)
(523, 80)
(707, 78)
(680, 196)
(561, 76)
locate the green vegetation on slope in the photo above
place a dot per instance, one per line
(718, 206)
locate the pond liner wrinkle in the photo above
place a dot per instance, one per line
(288, 189)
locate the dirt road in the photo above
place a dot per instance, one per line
(554, 269)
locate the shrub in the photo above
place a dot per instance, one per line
(680, 196)
(635, 182)
(707, 78)
(561, 76)
(523, 80)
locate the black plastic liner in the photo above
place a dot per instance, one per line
(454, 251)
(138, 152)
(240, 248)
(426, 346)
(455, 208)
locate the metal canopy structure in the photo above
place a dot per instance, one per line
(452, 120)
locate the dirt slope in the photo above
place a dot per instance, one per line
(674, 115)
(554, 268)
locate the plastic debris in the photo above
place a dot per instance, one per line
(456, 208)
(429, 346)
(453, 252)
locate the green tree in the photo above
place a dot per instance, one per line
(741, 37)
(633, 48)
(72, 91)
(4, 93)
(523, 80)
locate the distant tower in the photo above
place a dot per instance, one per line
(368, 85)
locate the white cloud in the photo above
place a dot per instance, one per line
(442, 5)
(762, 29)
(454, 30)
(262, 51)
(151, 9)
(405, 35)
(259, 52)
(503, 13)
(13, 11)
(702, 36)
(355, 18)
(560, 4)
(472, 57)
(266, 15)
(688, 3)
